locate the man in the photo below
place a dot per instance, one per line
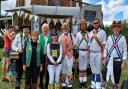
(18, 45)
(115, 54)
(67, 63)
(97, 41)
(44, 39)
(82, 39)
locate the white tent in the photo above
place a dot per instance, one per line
(47, 11)
(58, 12)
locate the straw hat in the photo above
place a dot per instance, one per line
(116, 24)
(64, 26)
(83, 21)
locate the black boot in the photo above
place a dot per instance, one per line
(70, 88)
(63, 87)
(41, 86)
(80, 86)
(84, 85)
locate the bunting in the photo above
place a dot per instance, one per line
(12, 13)
(18, 13)
(36, 18)
(30, 17)
(21, 13)
(26, 15)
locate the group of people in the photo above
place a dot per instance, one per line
(52, 55)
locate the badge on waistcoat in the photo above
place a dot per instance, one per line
(54, 53)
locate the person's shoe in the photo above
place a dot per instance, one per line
(41, 86)
(4, 79)
(114, 87)
(103, 84)
(85, 85)
(80, 86)
(63, 87)
(17, 85)
(70, 88)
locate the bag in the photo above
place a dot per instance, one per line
(124, 84)
(14, 55)
(75, 53)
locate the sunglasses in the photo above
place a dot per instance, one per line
(96, 23)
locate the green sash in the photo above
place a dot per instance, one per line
(29, 54)
(42, 41)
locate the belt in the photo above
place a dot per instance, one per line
(94, 51)
(117, 59)
(83, 49)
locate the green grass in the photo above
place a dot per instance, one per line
(5, 85)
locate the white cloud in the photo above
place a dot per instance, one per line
(9, 4)
(111, 8)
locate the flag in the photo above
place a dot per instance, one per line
(30, 17)
(26, 14)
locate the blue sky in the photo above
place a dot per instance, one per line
(112, 9)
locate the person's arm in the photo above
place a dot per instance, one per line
(41, 57)
(15, 43)
(77, 40)
(49, 55)
(9, 36)
(24, 60)
(74, 39)
(106, 51)
(60, 56)
(124, 49)
(104, 39)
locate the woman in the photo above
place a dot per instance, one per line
(54, 53)
(32, 63)
(8, 36)
(44, 39)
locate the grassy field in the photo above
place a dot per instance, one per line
(5, 85)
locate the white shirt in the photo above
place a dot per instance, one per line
(68, 36)
(17, 43)
(84, 43)
(101, 35)
(45, 46)
(121, 44)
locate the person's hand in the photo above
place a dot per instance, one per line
(41, 68)
(122, 65)
(56, 63)
(24, 68)
(105, 60)
(20, 50)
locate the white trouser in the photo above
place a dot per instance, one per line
(110, 72)
(83, 63)
(67, 65)
(83, 60)
(96, 62)
(96, 67)
(54, 73)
